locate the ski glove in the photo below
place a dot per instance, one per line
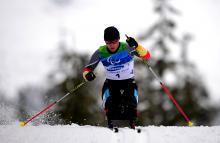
(88, 75)
(132, 42)
(142, 52)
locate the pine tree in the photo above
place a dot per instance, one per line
(186, 86)
(82, 106)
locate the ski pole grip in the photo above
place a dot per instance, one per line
(126, 36)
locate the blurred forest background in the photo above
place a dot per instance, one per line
(84, 107)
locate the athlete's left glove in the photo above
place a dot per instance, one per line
(132, 42)
(88, 75)
(143, 53)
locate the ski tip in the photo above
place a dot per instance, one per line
(190, 124)
(22, 124)
(116, 130)
(138, 130)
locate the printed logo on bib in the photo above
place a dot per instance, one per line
(115, 68)
(113, 60)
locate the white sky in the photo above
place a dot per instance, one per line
(29, 33)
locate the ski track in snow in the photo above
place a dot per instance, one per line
(91, 134)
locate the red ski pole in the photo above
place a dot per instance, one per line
(170, 96)
(23, 123)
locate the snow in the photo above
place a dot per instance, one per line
(92, 134)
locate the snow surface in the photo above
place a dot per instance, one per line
(91, 134)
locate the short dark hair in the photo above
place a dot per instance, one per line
(111, 33)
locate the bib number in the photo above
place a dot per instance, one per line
(118, 75)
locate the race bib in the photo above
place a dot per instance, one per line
(119, 66)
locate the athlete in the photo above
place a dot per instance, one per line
(119, 92)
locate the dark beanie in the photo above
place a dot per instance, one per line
(111, 33)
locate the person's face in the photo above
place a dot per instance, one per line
(112, 45)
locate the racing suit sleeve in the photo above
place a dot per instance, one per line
(140, 51)
(90, 67)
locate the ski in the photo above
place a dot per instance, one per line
(138, 130)
(116, 130)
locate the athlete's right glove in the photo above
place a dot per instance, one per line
(88, 75)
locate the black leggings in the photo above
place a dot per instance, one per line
(122, 100)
